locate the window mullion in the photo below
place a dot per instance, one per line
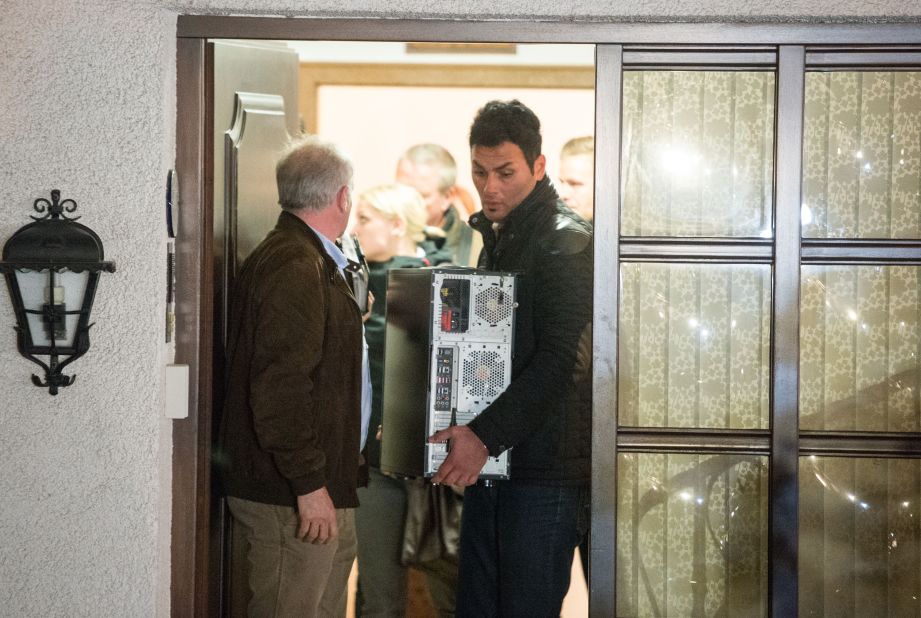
(784, 488)
(609, 73)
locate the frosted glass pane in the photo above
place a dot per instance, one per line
(694, 346)
(862, 155)
(698, 153)
(691, 535)
(859, 537)
(860, 344)
(67, 294)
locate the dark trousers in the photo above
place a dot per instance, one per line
(382, 577)
(516, 548)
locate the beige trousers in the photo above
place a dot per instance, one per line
(288, 577)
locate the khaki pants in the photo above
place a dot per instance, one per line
(289, 577)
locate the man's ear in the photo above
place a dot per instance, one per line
(540, 166)
(344, 199)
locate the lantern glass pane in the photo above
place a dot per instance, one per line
(66, 291)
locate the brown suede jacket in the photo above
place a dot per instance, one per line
(292, 413)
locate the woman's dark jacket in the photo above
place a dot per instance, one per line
(545, 414)
(292, 412)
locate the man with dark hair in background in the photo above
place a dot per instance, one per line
(518, 535)
(291, 431)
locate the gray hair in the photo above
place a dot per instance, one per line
(310, 173)
(433, 154)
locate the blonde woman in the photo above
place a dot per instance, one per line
(390, 224)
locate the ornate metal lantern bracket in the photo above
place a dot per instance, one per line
(49, 264)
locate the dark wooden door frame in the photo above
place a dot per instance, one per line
(190, 560)
(190, 555)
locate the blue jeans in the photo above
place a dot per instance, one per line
(516, 548)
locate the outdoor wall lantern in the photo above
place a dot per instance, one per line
(51, 268)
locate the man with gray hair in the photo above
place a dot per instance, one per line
(431, 170)
(291, 432)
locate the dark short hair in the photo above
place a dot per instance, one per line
(507, 121)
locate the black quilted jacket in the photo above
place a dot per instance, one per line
(545, 414)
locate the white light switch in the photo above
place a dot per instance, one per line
(177, 391)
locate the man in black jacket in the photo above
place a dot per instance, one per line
(518, 536)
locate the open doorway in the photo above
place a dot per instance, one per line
(374, 100)
(629, 57)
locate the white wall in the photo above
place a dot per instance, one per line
(87, 106)
(402, 116)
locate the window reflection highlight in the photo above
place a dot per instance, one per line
(698, 153)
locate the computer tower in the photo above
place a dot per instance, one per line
(447, 355)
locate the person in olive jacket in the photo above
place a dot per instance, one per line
(291, 429)
(518, 535)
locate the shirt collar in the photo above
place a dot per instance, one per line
(333, 251)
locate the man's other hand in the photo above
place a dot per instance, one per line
(466, 457)
(317, 517)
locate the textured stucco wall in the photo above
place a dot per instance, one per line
(86, 106)
(87, 102)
